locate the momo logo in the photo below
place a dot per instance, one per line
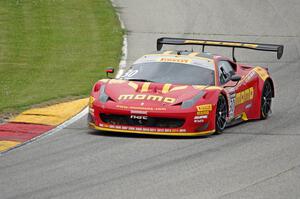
(147, 97)
(244, 96)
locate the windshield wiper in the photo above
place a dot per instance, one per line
(140, 80)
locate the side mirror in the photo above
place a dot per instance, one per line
(235, 78)
(109, 70)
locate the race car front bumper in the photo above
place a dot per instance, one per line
(172, 120)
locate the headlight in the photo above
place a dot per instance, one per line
(103, 97)
(191, 102)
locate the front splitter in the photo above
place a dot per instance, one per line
(202, 133)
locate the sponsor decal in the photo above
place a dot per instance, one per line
(201, 117)
(138, 108)
(145, 129)
(176, 60)
(139, 117)
(202, 112)
(231, 105)
(248, 106)
(138, 112)
(244, 96)
(204, 107)
(198, 121)
(147, 97)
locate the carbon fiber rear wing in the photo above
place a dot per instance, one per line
(232, 44)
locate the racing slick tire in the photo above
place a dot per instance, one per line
(266, 100)
(221, 114)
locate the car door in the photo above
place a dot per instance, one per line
(239, 95)
(225, 70)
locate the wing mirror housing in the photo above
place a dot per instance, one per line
(109, 70)
(235, 78)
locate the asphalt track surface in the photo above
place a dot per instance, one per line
(253, 160)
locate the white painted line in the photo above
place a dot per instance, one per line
(122, 64)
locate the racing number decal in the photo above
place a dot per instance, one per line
(130, 73)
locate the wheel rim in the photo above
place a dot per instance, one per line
(221, 114)
(266, 100)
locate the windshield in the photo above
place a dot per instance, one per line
(167, 72)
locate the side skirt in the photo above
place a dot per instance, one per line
(239, 119)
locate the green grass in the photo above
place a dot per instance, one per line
(53, 49)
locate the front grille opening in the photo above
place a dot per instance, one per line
(149, 122)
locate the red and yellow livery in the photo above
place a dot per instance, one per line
(183, 93)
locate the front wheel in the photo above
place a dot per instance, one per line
(221, 114)
(266, 100)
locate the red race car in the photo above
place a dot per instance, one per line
(183, 93)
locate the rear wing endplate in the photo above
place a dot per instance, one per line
(232, 44)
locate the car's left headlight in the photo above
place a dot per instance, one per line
(191, 102)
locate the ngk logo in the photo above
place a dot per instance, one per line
(139, 117)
